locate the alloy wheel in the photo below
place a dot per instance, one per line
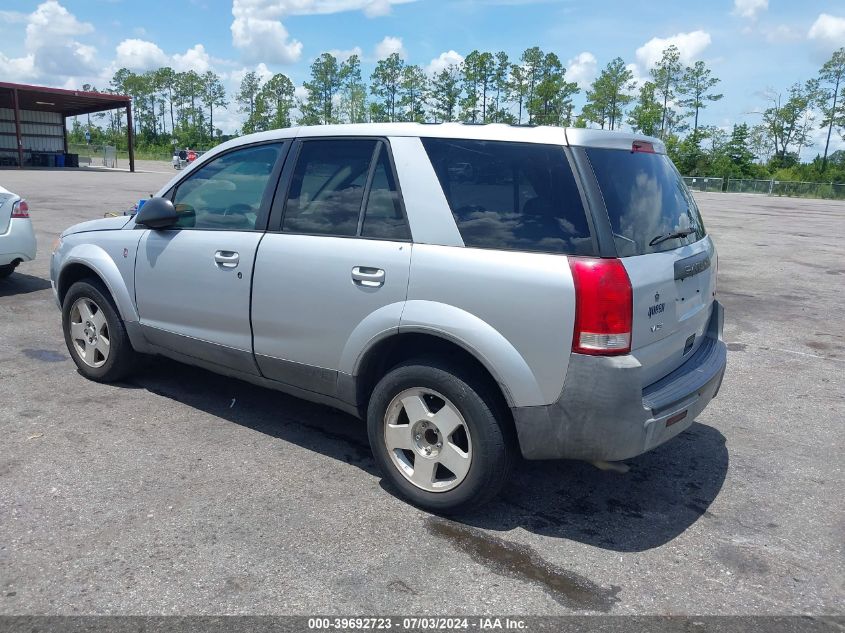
(89, 332)
(428, 439)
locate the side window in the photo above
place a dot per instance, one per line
(327, 187)
(517, 196)
(226, 193)
(383, 217)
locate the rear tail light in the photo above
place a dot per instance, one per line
(20, 209)
(603, 306)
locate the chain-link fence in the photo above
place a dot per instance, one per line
(94, 155)
(787, 188)
(699, 183)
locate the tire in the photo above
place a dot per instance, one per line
(95, 334)
(7, 270)
(472, 427)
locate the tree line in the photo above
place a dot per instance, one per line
(489, 87)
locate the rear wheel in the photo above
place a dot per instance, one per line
(438, 435)
(94, 333)
(7, 270)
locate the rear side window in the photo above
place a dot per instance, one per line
(327, 187)
(513, 196)
(383, 217)
(646, 201)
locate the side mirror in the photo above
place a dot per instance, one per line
(157, 213)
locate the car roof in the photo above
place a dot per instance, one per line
(581, 137)
(548, 135)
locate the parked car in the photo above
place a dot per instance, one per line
(181, 158)
(566, 311)
(17, 239)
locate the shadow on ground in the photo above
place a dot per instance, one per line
(666, 490)
(20, 283)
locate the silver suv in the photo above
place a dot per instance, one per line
(470, 291)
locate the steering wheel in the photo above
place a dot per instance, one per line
(238, 209)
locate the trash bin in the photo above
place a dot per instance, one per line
(60, 160)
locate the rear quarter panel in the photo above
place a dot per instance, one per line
(513, 310)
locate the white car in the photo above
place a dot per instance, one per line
(17, 239)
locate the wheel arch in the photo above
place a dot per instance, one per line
(90, 261)
(390, 351)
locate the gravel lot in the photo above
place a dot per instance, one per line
(182, 492)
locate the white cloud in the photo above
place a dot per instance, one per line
(236, 76)
(582, 69)
(18, 68)
(750, 8)
(828, 31)
(443, 61)
(691, 45)
(139, 55)
(343, 55)
(51, 45)
(51, 24)
(194, 58)
(388, 46)
(781, 33)
(257, 28)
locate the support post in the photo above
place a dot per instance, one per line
(18, 128)
(64, 132)
(130, 137)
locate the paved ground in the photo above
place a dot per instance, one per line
(183, 492)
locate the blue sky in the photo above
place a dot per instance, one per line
(751, 45)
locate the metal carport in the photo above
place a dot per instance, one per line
(30, 116)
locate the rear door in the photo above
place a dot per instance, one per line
(334, 265)
(673, 278)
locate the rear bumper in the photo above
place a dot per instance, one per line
(18, 242)
(605, 414)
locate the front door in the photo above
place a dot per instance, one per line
(192, 281)
(333, 273)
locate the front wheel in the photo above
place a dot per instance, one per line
(95, 334)
(438, 435)
(7, 270)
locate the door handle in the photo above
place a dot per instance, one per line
(226, 259)
(368, 277)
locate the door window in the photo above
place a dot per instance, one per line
(226, 193)
(383, 217)
(327, 187)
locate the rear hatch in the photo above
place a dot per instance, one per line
(662, 243)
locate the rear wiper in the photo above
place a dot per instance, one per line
(670, 236)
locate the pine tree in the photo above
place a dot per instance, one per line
(322, 88)
(413, 91)
(353, 103)
(832, 102)
(445, 94)
(694, 86)
(385, 84)
(646, 115)
(609, 94)
(666, 76)
(278, 94)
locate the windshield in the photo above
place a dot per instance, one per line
(646, 200)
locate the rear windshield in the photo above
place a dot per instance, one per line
(513, 196)
(646, 200)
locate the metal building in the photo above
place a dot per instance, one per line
(33, 121)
